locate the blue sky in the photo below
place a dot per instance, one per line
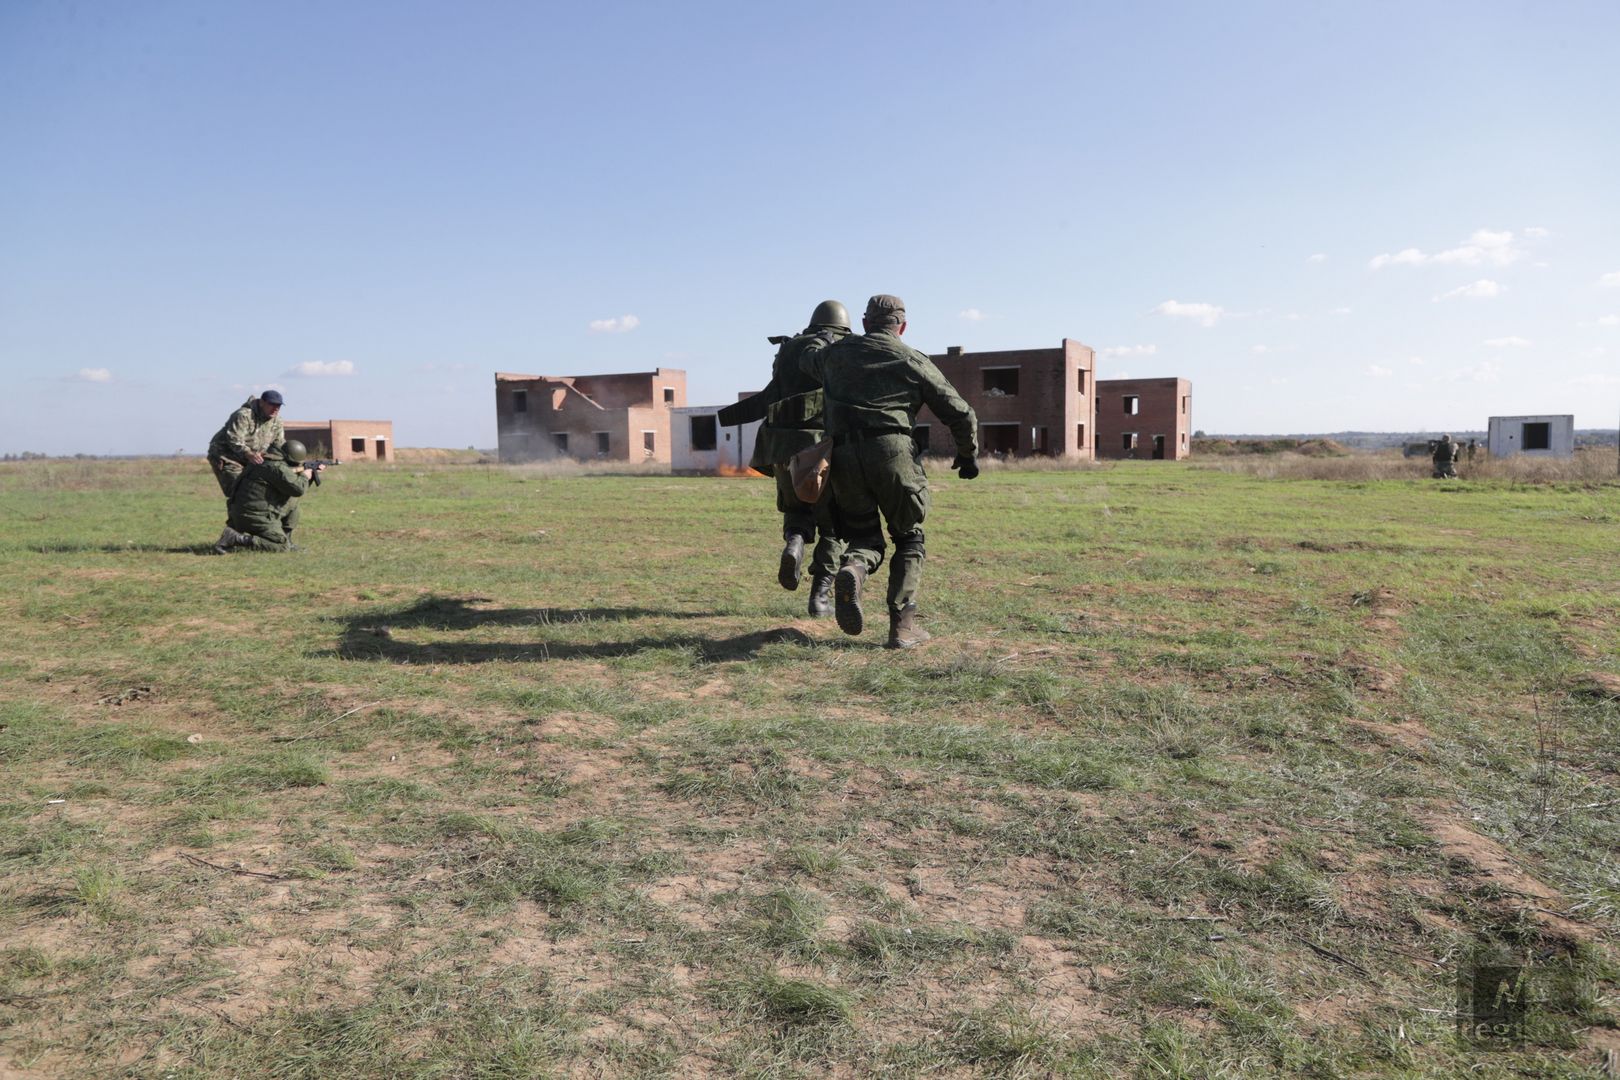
(1363, 215)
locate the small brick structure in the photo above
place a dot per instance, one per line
(587, 417)
(1149, 419)
(1030, 402)
(344, 440)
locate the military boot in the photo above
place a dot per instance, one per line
(847, 597)
(228, 539)
(904, 633)
(792, 561)
(821, 596)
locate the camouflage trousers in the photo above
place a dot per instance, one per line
(227, 472)
(810, 520)
(1445, 470)
(879, 481)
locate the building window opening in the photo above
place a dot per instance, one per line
(649, 443)
(520, 401)
(1038, 442)
(1184, 440)
(1079, 436)
(1183, 404)
(382, 450)
(357, 446)
(1158, 448)
(604, 444)
(1536, 437)
(921, 437)
(999, 439)
(704, 433)
(1000, 382)
(669, 395)
(1082, 381)
(561, 439)
(1133, 404)
(1127, 441)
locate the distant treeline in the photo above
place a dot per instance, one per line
(1387, 440)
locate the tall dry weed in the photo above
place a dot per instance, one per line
(1590, 465)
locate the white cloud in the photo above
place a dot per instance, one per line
(1415, 361)
(1340, 311)
(1281, 380)
(1379, 371)
(1319, 257)
(972, 314)
(92, 374)
(1512, 342)
(1128, 350)
(1609, 320)
(1593, 354)
(1596, 378)
(1536, 232)
(1484, 248)
(1487, 371)
(622, 325)
(1203, 314)
(315, 369)
(1260, 350)
(1610, 281)
(1483, 289)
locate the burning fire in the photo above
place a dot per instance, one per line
(725, 469)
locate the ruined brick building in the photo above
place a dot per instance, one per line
(344, 440)
(1144, 418)
(608, 417)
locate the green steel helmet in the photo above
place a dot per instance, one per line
(294, 451)
(830, 313)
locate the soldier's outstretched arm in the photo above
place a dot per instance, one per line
(750, 409)
(813, 356)
(939, 395)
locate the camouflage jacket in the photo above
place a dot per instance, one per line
(246, 432)
(1446, 453)
(875, 383)
(793, 418)
(264, 493)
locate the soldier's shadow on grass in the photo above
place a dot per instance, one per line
(75, 548)
(371, 636)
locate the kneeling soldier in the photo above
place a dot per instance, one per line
(264, 507)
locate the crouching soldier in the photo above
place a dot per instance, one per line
(264, 507)
(247, 434)
(1446, 452)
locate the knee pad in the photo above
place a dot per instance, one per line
(910, 544)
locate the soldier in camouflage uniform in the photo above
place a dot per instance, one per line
(250, 431)
(264, 506)
(1446, 452)
(873, 385)
(791, 407)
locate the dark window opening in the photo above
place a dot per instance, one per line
(648, 442)
(1082, 380)
(669, 395)
(520, 401)
(1183, 404)
(1038, 443)
(921, 438)
(603, 444)
(1133, 404)
(1158, 448)
(1079, 436)
(1128, 441)
(1537, 437)
(705, 433)
(561, 439)
(999, 438)
(357, 446)
(382, 450)
(1000, 382)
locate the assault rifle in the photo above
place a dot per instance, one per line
(318, 464)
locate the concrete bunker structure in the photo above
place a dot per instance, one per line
(699, 443)
(344, 440)
(587, 417)
(1545, 435)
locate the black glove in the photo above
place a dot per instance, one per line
(966, 468)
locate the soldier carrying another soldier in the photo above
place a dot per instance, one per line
(250, 431)
(1446, 452)
(264, 507)
(791, 408)
(873, 385)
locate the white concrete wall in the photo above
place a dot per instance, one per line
(733, 445)
(1505, 435)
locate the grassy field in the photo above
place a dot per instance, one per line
(520, 773)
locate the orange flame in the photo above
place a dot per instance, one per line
(726, 469)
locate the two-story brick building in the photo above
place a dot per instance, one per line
(611, 417)
(1029, 401)
(1144, 418)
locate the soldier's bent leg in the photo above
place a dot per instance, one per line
(226, 473)
(798, 530)
(905, 572)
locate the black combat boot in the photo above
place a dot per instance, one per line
(904, 633)
(792, 560)
(821, 596)
(228, 539)
(847, 597)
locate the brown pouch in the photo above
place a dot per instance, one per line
(809, 469)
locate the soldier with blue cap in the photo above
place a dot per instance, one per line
(247, 434)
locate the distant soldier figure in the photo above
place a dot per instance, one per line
(1473, 447)
(264, 507)
(874, 384)
(1445, 457)
(250, 431)
(790, 405)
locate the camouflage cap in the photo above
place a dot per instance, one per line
(885, 310)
